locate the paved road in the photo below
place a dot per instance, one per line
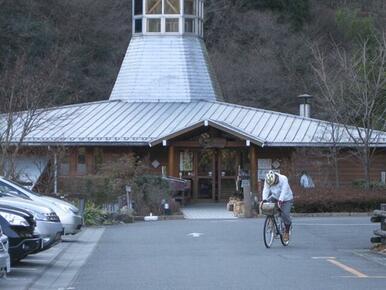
(54, 268)
(231, 255)
(326, 253)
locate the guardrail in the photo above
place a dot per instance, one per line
(379, 216)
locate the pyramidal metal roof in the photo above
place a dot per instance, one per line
(166, 68)
(118, 122)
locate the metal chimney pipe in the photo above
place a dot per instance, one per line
(305, 105)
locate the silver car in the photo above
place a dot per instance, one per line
(48, 225)
(69, 215)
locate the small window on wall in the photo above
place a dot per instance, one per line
(189, 25)
(138, 25)
(171, 25)
(189, 7)
(98, 159)
(263, 165)
(186, 163)
(138, 7)
(81, 166)
(153, 6)
(64, 165)
(154, 25)
(172, 6)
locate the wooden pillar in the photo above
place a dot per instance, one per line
(253, 174)
(171, 161)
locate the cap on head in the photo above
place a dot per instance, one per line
(271, 178)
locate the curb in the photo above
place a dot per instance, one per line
(328, 214)
(139, 218)
(332, 214)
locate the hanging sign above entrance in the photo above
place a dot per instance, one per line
(207, 141)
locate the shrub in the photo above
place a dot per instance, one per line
(148, 193)
(93, 215)
(337, 200)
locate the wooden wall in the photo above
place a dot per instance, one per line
(293, 162)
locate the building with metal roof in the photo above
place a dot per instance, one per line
(166, 104)
(124, 122)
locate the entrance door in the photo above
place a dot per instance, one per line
(206, 174)
(228, 162)
(213, 172)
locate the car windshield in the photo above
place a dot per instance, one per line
(4, 194)
(23, 187)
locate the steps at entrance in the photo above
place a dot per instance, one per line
(207, 211)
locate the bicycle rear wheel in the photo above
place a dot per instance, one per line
(269, 231)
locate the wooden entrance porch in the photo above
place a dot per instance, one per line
(217, 161)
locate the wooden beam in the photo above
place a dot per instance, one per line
(171, 161)
(253, 174)
(196, 144)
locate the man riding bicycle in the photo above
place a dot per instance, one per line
(277, 190)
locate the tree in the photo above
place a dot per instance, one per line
(24, 104)
(353, 87)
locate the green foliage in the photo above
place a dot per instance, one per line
(148, 192)
(353, 25)
(93, 215)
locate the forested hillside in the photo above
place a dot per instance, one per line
(70, 50)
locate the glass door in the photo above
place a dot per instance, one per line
(228, 163)
(187, 169)
(206, 174)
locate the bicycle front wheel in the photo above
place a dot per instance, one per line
(269, 231)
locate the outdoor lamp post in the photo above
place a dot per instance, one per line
(128, 191)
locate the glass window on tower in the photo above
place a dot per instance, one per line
(153, 25)
(154, 6)
(138, 26)
(138, 7)
(172, 6)
(171, 24)
(189, 7)
(189, 25)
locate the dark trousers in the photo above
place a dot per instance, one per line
(285, 211)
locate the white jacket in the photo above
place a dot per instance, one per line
(280, 191)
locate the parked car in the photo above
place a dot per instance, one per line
(48, 225)
(5, 262)
(19, 226)
(69, 215)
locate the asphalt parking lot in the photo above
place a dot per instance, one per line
(325, 253)
(54, 268)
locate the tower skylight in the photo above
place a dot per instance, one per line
(155, 17)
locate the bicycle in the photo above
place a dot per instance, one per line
(274, 226)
